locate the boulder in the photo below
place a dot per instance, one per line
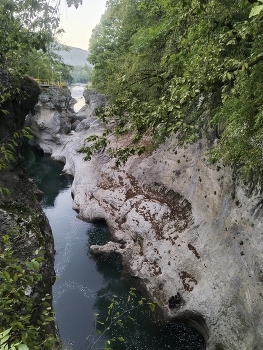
(16, 107)
(83, 113)
(94, 100)
(75, 124)
(86, 123)
(71, 104)
(52, 118)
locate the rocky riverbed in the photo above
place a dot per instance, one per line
(179, 223)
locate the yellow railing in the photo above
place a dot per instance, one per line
(49, 83)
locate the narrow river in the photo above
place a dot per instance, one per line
(86, 286)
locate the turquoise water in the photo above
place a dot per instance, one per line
(86, 286)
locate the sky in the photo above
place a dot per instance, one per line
(78, 23)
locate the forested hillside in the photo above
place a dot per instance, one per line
(77, 58)
(185, 67)
(73, 56)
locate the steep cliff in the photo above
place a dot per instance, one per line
(180, 225)
(21, 216)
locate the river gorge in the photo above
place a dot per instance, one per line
(179, 223)
(85, 286)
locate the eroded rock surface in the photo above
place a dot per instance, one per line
(94, 100)
(52, 117)
(180, 225)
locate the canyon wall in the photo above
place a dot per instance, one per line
(180, 225)
(21, 216)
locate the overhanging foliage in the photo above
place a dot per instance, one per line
(27, 29)
(185, 67)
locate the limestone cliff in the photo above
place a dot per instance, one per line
(180, 225)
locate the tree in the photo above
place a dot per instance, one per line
(185, 68)
(26, 27)
(47, 66)
(81, 74)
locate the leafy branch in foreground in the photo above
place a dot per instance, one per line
(8, 150)
(116, 317)
(121, 129)
(255, 11)
(24, 320)
(94, 143)
(9, 144)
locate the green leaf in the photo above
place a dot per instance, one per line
(4, 336)
(23, 347)
(36, 265)
(6, 275)
(255, 11)
(152, 306)
(19, 325)
(119, 323)
(4, 333)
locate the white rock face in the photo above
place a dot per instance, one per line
(181, 225)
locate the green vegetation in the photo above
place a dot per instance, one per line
(27, 29)
(8, 146)
(190, 68)
(115, 319)
(24, 320)
(81, 74)
(48, 66)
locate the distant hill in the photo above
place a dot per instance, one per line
(75, 56)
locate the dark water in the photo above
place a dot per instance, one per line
(86, 286)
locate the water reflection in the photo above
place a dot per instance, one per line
(46, 174)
